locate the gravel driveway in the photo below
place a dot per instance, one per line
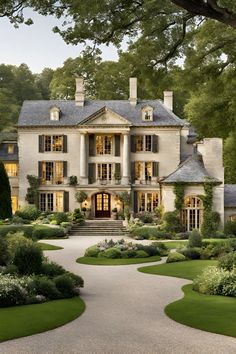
(124, 314)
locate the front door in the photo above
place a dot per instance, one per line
(102, 205)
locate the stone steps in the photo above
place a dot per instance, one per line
(106, 228)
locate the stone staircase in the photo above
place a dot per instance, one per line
(106, 228)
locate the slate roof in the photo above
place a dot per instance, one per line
(5, 156)
(192, 170)
(230, 195)
(36, 113)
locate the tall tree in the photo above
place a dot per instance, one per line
(5, 194)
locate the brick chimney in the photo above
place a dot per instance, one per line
(168, 99)
(79, 93)
(133, 91)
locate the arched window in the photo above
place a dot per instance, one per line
(192, 213)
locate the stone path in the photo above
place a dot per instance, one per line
(124, 314)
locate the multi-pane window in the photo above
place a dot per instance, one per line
(51, 201)
(52, 172)
(147, 201)
(103, 144)
(192, 213)
(53, 143)
(104, 171)
(143, 170)
(14, 203)
(11, 169)
(148, 171)
(138, 170)
(143, 143)
(10, 149)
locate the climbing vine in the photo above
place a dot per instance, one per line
(211, 219)
(179, 195)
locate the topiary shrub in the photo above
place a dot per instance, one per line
(77, 216)
(175, 257)
(111, 253)
(191, 253)
(195, 239)
(171, 222)
(65, 285)
(141, 254)
(29, 212)
(230, 228)
(92, 251)
(28, 259)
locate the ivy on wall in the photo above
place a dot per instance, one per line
(179, 195)
(211, 220)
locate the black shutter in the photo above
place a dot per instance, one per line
(91, 172)
(65, 143)
(117, 145)
(40, 170)
(117, 169)
(41, 143)
(64, 168)
(91, 145)
(155, 143)
(133, 143)
(135, 201)
(155, 169)
(132, 172)
(66, 201)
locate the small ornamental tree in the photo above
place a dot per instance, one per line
(5, 194)
(80, 197)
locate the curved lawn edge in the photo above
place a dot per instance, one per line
(211, 313)
(117, 261)
(26, 320)
(48, 247)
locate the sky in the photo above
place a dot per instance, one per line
(37, 46)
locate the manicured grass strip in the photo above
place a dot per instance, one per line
(47, 247)
(186, 269)
(20, 321)
(175, 244)
(206, 312)
(122, 261)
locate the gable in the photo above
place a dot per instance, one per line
(105, 116)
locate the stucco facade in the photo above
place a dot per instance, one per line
(140, 147)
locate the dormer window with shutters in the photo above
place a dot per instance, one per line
(54, 113)
(147, 114)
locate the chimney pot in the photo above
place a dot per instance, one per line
(133, 91)
(168, 99)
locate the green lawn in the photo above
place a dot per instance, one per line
(206, 312)
(118, 261)
(20, 321)
(47, 247)
(175, 244)
(210, 313)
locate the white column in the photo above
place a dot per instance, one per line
(83, 159)
(126, 159)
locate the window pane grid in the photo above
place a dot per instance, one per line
(147, 201)
(53, 143)
(11, 169)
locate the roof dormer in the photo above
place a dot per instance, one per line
(147, 113)
(54, 113)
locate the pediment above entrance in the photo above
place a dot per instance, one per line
(105, 116)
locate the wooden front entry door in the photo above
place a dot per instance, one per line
(102, 205)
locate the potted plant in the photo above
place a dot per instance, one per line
(117, 177)
(114, 214)
(73, 181)
(80, 197)
(84, 209)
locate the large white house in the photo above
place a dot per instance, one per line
(138, 146)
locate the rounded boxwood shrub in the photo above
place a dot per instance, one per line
(175, 257)
(29, 212)
(195, 239)
(65, 285)
(151, 250)
(228, 261)
(15, 240)
(60, 217)
(92, 251)
(28, 259)
(128, 254)
(48, 232)
(141, 254)
(78, 281)
(112, 253)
